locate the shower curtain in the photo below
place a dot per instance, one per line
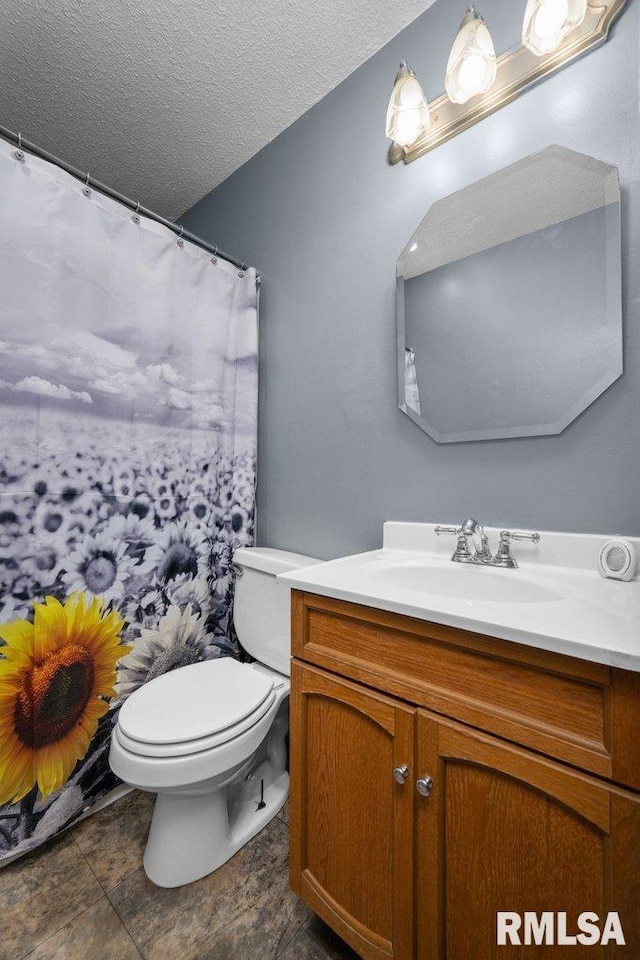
(128, 406)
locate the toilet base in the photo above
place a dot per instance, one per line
(191, 836)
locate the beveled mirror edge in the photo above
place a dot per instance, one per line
(517, 70)
(612, 190)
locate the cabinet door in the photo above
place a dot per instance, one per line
(504, 829)
(351, 822)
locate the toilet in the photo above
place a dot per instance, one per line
(210, 739)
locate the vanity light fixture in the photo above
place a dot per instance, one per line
(554, 33)
(408, 110)
(548, 22)
(471, 69)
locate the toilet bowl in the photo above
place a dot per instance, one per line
(210, 739)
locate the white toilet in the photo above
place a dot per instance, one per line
(209, 739)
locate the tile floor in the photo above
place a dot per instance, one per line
(84, 896)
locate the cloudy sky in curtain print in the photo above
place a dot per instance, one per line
(115, 320)
(94, 375)
(107, 316)
(171, 377)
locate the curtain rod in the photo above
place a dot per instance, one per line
(134, 205)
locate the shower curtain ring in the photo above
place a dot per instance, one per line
(180, 241)
(87, 189)
(242, 270)
(214, 258)
(136, 215)
(19, 151)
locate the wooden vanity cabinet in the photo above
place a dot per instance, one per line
(519, 809)
(507, 829)
(352, 859)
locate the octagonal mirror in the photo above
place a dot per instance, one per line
(509, 301)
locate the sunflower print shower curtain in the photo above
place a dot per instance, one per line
(128, 409)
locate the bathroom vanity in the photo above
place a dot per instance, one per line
(440, 775)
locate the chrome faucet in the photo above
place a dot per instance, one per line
(473, 545)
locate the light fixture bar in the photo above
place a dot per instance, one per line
(517, 70)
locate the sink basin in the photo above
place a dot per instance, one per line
(555, 600)
(465, 582)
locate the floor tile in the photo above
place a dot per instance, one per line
(98, 932)
(264, 930)
(114, 839)
(56, 909)
(42, 892)
(284, 813)
(183, 922)
(316, 941)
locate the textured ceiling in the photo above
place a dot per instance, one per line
(163, 99)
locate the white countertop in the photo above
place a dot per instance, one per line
(568, 606)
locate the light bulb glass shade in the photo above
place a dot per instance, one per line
(548, 22)
(471, 69)
(408, 111)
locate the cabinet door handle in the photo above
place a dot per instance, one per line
(400, 774)
(424, 786)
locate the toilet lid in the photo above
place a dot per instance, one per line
(194, 701)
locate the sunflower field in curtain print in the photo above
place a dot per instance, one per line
(115, 567)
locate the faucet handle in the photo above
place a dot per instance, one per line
(507, 535)
(504, 557)
(461, 554)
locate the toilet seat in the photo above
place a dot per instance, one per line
(190, 747)
(194, 708)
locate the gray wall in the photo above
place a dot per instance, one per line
(324, 217)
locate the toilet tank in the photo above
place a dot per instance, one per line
(262, 606)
